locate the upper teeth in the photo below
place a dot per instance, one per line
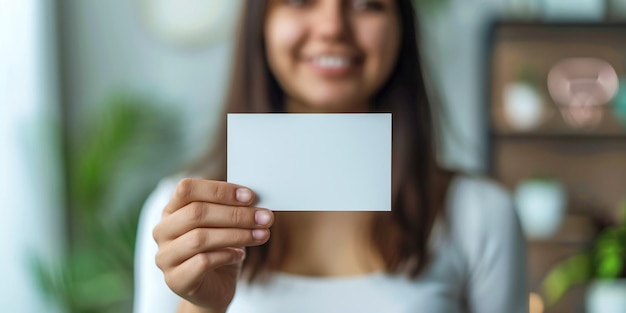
(331, 61)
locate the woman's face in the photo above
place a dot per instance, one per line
(331, 55)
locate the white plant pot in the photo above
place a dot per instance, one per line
(540, 205)
(523, 106)
(606, 296)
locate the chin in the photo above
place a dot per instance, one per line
(336, 104)
(327, 107)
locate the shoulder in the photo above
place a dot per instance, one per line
(474, 201)
(149, 281)
(487, 235)
(482, 217)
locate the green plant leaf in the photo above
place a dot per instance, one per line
(610, 266)
(572, 271)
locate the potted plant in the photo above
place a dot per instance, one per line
(114, 161)
(602, 266)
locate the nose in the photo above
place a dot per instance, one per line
(331, 22)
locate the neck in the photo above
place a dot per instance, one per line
(330, 243)
(295, 106)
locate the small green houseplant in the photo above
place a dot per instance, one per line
(603, 262)
(115, 156)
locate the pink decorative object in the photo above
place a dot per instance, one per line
(580, 86)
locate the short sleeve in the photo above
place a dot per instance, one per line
(487, 230)
(151, 292)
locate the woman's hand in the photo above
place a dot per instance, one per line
(202, 232)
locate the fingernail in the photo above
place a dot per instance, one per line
(259, 234)
(243, 195)
(241, 255)
(262, 217)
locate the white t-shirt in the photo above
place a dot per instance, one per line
(479, 266)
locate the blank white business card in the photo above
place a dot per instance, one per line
(312, 162)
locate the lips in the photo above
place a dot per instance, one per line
(333, 65)
(332, 62)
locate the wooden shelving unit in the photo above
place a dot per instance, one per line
(591, 163)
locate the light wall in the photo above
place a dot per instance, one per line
(107, 47)
(30, 165)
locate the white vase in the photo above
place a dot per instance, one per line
(523, 106)
(540, 205)
(606, 296)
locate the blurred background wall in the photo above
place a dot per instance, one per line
(31, 178)
(109, 46)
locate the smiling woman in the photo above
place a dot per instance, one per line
(452, 243)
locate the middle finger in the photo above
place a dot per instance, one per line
(212, 215)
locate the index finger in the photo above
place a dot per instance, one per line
(201, 190)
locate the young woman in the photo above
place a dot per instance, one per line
(452, 243)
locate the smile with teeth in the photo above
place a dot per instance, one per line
(331, 62)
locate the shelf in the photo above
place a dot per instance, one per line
(557, 242)
(589, 162)
(575, 230)
(557, 136)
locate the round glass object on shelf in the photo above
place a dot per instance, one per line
(581, 87)
(523, 106)
(541, 205)
(189, 23)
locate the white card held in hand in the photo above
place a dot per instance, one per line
(312, 162)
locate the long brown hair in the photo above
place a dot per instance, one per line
(418, 183)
